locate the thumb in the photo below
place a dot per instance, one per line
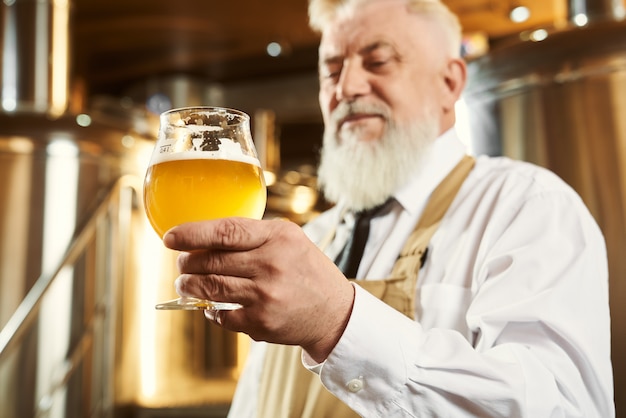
(218, 234)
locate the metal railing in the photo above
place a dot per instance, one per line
(109, 220)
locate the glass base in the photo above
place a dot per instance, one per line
(195, 304)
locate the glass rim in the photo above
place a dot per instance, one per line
(207, 108)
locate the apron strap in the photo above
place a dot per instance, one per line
(400, 288)
(410, 260)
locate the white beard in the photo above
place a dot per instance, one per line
(366, 174)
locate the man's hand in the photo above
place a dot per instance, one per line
(290, 291)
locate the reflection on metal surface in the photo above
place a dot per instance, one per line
(266, 141)
(594, 10)
(560, 103)
(292, 193)
(35, 47)
(59, 251)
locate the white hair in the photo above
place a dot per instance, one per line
(323, 12)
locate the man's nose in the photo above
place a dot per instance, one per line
(353, 82)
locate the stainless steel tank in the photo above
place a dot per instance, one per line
(80, 269)
(66, 196)
(557, 97)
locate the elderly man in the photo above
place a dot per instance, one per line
(482, 288)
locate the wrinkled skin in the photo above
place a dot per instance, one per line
(290, 291)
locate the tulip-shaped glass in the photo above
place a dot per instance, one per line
(204, 166)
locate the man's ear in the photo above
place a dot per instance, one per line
(455, 77)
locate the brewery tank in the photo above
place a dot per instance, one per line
(66, 193)
(557, 97)
(80, 268)
(68, 183)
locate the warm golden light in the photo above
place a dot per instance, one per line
(303, 199)
(270, 177)
(61, 188)
(519, 14)
(150, 247)
(60, 57)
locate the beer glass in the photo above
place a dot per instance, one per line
(204, 166)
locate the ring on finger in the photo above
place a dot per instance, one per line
(214, 315)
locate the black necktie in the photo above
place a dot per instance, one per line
(350, 257)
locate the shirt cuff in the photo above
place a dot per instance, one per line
(310, 364)
(370, 360)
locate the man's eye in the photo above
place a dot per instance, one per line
(330, 73)
(377, 63)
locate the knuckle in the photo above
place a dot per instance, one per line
(183, 285)
(217, 284)
(207, 285)
(285, 230)
(214, 287)
(210, 262)
(182, 261)
(230, 232)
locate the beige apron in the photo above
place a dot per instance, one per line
(287, 389)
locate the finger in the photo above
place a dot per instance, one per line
(224, 318)
(214, 287)
(229, 263)
(225, 233)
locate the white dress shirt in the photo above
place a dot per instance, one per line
(512, 314)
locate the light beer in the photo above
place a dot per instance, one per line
(194, 186)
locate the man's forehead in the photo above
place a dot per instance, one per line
(366, 46)
(397, 26)
(361, 39)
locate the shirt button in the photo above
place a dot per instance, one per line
(355, 385)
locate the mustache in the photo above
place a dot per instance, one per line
(346, 109)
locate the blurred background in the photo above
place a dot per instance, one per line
(82, 83)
